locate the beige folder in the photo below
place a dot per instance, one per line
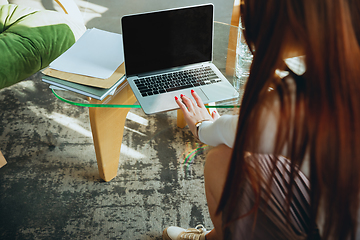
(86, 80)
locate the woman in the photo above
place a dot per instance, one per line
(312, 118)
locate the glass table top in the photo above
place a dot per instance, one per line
(224, 57)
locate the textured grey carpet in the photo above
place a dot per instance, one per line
(50, 188)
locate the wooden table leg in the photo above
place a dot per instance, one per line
(233, 35)
(181, 123)
(107, 126)
(2, 160)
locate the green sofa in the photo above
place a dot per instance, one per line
(31, 39)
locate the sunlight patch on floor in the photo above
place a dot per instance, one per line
(135, 131)
(90, 10)
(136, 118)
(125, 150)
(70, 123)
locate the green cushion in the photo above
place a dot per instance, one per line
(29, 41)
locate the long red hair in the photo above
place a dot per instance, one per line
(326, 125)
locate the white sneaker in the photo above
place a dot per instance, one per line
(178, 233)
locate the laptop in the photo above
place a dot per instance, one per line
(168, 53)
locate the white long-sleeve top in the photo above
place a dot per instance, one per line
(224, 129)
(221, 131)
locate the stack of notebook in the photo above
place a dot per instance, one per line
(93, 66)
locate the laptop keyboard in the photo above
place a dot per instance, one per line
(169, 82)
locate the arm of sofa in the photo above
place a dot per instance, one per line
(31, 39)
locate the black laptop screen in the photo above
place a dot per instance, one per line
(165, 39)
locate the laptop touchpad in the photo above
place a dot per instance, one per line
(201, 94)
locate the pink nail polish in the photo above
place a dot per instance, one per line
(192, 91)
(176, 98)
(181, 95)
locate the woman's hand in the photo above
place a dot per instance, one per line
(194, 111)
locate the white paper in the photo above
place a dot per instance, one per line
(97, 54)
